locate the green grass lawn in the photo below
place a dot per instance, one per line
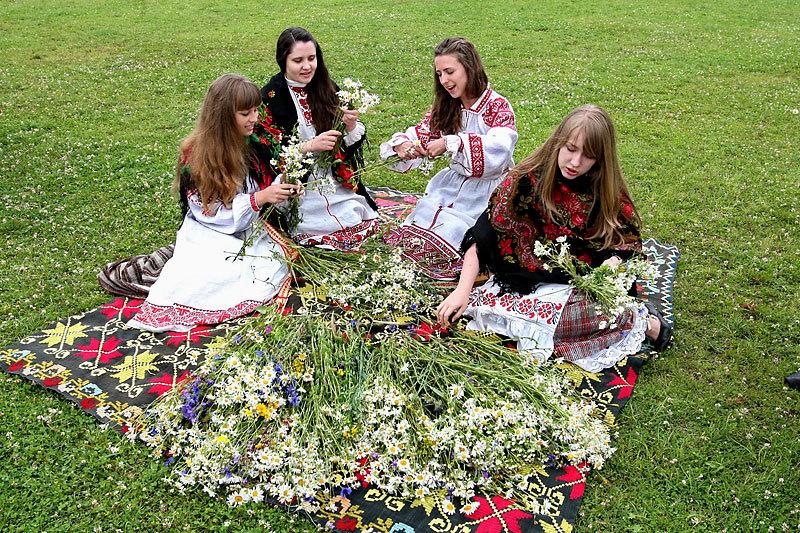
(705, 97)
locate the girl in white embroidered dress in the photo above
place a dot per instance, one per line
(206, 281)
(302, 95)
(476, 127)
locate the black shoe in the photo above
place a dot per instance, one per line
(664, 339)
(793, 381)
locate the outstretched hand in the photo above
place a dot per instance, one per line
(451, 308)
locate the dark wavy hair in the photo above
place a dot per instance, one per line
(321, 91)
(446, 112)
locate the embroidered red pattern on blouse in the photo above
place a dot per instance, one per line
(486, 97)
(476, 154)
(424, 133)
(499, 115)
(302, 98)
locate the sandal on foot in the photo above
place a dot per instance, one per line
(664, 339)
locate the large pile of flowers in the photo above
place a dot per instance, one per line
(301, 403)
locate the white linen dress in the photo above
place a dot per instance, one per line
(205, 281)
(333, 216)
(455, 197)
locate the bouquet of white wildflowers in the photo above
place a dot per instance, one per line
(351, 97)
(295, 167)
(607, 285)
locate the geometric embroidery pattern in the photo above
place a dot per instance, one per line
(113, 372)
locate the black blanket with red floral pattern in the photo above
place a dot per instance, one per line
(113, 372)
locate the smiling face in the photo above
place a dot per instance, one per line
(301, 63)
(572, 161)
(245, 120)
(453, 77)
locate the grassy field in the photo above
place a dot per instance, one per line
(705, 96)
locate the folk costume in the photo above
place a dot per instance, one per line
(526, 301)
(216, 273)
(335, 213)
(455, 197)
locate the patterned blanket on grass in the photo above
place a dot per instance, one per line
(114, 372)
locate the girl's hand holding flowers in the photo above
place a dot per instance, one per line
(349, 118)
(322, 143)
(436, 148)
(409, 151)
(278, 192)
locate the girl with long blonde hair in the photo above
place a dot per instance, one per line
(223, 181)
(570, 189)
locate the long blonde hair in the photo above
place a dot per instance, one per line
(608, 183)
(215, 151)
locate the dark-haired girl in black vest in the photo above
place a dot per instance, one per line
(335, 213)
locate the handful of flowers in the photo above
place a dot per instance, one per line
(605, 285)
(295, 166)
(352, 97)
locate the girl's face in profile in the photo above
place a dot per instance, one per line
(571, 159)
(301, 63)
(245, 120)
(452, 75)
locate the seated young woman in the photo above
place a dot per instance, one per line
(302, 96)
(222, 186)
(572, 187)
(475, 125)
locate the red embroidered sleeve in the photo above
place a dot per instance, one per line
(499, 115)
(476, 154)
(424, 133)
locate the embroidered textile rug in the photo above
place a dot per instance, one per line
(113, 373)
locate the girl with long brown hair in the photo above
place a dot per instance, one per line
(337, 214)
(222, 184)
(476, 127)
(571, 188)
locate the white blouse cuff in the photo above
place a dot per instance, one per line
(353, 137)
(453, 144)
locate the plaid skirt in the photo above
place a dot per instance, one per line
(555, 319)
(580, 338)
